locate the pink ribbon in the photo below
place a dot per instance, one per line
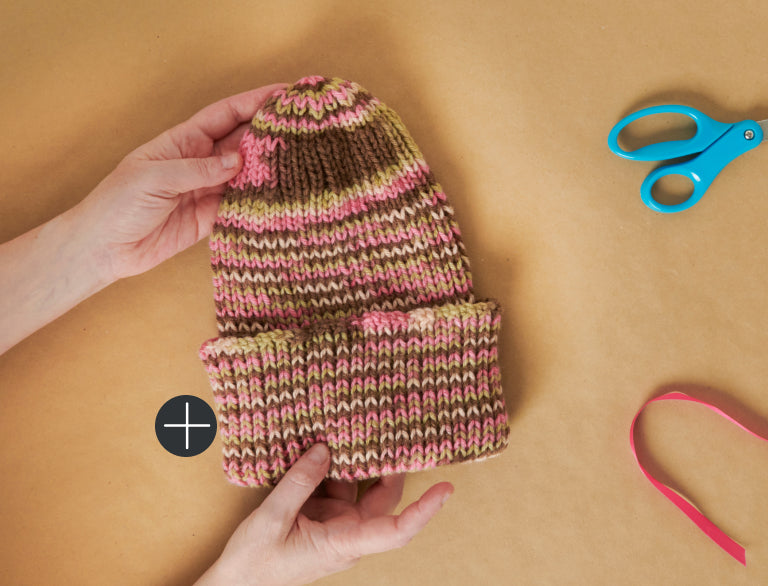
(687, 507)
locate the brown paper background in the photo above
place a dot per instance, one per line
(605, 302)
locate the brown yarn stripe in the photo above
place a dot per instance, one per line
(334, 159)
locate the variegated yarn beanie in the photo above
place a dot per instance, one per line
(344, 300)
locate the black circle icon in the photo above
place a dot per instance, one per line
(185, 426)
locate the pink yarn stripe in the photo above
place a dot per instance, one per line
(250, 299)
(310, 80)
(339, 94)
(686, 506)
(255, 172)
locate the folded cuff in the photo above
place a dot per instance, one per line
(387, 392)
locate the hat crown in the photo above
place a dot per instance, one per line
(334, 214)
(315, 97)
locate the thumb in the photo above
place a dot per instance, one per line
(298, 484)
(174, 176)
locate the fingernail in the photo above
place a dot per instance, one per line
(445, 498)
(318, 454)
(230, 161)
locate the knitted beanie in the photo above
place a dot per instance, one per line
(344, 300)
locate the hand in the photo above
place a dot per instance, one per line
(160, 199)
(296, 537)
(163, 196)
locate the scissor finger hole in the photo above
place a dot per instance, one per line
(656, 128)
(672, 189)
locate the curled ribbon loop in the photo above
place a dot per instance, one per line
(687, 507)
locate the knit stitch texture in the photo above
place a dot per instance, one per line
(344, 300)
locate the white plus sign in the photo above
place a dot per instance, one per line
(186, 425)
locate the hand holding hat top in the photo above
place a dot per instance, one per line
(159, 200)
(163, 197)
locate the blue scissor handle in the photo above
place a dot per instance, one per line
(702, 170)
(719, 143)
(708, 131)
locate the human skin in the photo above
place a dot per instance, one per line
(159, 200)
(297, 537)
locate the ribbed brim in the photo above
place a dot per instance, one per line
(387, 392)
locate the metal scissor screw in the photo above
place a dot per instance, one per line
(749, 134)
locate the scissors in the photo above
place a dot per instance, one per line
(715, 143)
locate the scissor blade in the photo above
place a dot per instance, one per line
(764, 125)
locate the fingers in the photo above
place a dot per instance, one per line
(390, 532)
(286, 500)
(416, 515)
(175, 176)
(194, 137)
(382, 497)
(231, 142)
(206, 209)
(222, 117)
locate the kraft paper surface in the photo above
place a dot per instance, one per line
(606, 303)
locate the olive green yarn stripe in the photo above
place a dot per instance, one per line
(326, 201)
(416, 215)
(369, 113)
